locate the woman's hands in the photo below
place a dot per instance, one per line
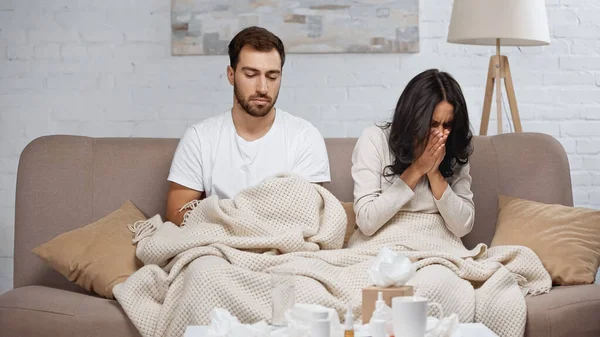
(437, 183)
(432, 156)
(428, 162)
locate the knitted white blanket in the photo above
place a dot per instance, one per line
(224, 253)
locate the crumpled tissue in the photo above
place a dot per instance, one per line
(391, 269)
(445, 327)
(223, 324)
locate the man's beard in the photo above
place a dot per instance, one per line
(254, 110)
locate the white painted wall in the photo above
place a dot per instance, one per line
(103, 68)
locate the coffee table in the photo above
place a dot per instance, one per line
(465, 329)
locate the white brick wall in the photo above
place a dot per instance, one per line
(103, 68)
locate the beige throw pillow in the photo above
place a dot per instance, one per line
(98, 256)
(566, 239)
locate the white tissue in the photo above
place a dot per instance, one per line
(391, 269)
(446, 327)
(223, 324)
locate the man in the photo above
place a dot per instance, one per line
(254, 140)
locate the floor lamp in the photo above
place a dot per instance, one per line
(499, 22)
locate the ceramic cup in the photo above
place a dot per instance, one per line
(409, 315)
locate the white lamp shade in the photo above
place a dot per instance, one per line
(514, 22)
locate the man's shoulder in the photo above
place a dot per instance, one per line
(210, 124)
(212, 121)
(297, 126)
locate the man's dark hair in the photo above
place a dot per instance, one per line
(259, 39)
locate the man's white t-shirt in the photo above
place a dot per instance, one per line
(213, 158)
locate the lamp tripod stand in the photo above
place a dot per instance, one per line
(498, 70)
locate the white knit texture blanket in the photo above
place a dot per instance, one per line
(225, 252)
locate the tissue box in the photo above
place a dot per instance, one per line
(369, 296)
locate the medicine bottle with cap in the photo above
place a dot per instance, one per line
(377, 325)
(349, 322)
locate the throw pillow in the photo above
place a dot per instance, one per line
(566, 239)
(98, 256)
(349, 208)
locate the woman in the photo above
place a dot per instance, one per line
(420, 161)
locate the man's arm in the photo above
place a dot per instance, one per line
(312, 160)
(185, 175)
(177, 197)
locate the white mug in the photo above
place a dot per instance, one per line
(409, 315)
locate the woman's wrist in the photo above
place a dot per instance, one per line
(412, 175)
(437, 182)
(418, 169)
(433, 174)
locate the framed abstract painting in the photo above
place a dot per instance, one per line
(205, 27)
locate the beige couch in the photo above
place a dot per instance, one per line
(64, 182)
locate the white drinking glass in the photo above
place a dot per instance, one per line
(283, 296)
(409, 315)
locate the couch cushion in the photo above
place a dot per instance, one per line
(74, 181)
(42, 311)
(519, 165)
(339, 151)
(566, 239)
(97, 256)
(564, 312)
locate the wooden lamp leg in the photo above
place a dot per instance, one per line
(499, 69)
(510, 92)
(487, 101)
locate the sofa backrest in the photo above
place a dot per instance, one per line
(65, 182)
